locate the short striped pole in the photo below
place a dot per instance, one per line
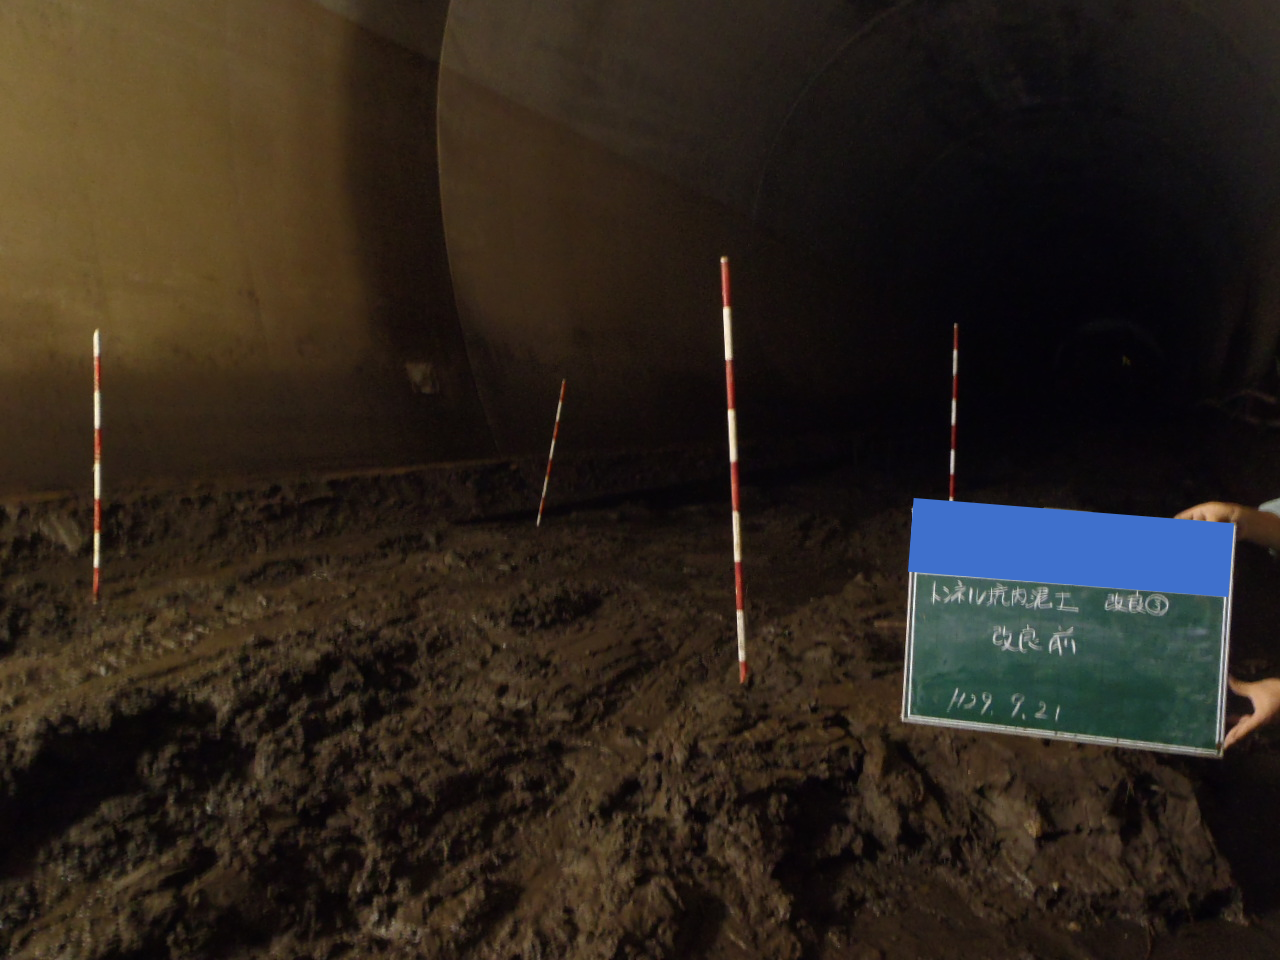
(552, 455)
(739, 590)
(955, 395)
(97, 465)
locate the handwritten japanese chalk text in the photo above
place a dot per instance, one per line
(1061, 642)
(1036, 598)
(1154, 604)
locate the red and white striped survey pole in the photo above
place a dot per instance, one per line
(733, 471)
(955, 395)
(552, 455)
(97, 465)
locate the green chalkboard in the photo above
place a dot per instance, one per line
(1124, 667)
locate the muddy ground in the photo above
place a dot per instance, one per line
(386, 716)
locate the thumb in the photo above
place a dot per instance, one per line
(1247, 725)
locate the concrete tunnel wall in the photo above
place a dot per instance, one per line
(1065, 178)
(242, 196)
(378, 232)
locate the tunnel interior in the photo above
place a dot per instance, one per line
(346, 253)
(1085, 188)
(1081, 290)
(388, 240)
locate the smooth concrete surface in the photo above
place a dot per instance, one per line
(617, 290)
(370, 233)
(242, 197)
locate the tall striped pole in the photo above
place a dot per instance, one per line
(955, 395)
(97, 465)
(739, 589)
(552, 455)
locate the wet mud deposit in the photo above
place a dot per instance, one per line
(382, 717)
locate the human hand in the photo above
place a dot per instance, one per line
(1265, 697)
(1256, 526)
(1213, 510)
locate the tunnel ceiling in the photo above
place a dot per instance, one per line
(1027, 166)
(812, 122)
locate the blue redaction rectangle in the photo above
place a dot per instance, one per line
(1072, 547)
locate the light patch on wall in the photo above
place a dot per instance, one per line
(422, 375)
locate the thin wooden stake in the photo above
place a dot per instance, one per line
(739, 588)
(955, 395)
(552, 455)
(97, 466)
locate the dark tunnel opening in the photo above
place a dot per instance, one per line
(1082, 190)
(1087, 302)
(1096, 287)
(1087, 282)
(1080, 294)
